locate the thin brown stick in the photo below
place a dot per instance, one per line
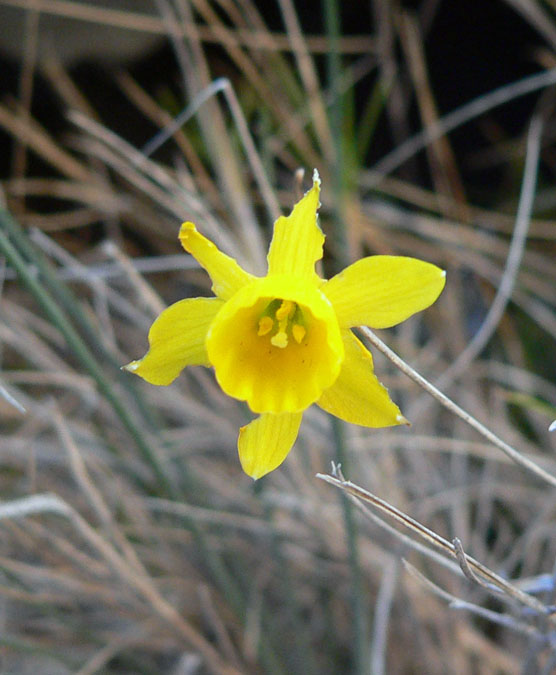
(34, 136)
(438, 542)
(515, 455)
(503, 619)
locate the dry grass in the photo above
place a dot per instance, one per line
(131, 542)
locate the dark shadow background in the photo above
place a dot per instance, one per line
(471, 49)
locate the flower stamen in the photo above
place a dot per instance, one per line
(298, 332)
(266, 324)
(287, 318)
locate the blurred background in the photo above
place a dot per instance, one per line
(130, 540)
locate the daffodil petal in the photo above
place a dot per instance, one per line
(297, 242)
(357, 396)
(177, 340)
(227, 276)
(265, 443)
(381, 291)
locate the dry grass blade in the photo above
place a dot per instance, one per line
(459, 117)
(131, 540)
(511, 591)
(456, 603)
(136, 21)
(137, 580)
(30, 134)
(514, 454)
(513, 262)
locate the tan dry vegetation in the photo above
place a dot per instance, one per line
(130, 539)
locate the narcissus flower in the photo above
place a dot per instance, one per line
(283, 342)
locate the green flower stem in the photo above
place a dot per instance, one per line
(334, 72)
(79, 348)
(334, 67)
(55, 314)
(304, 657)
(370, 117)
(64, 297)
(88, 361)
(357, 595)
(271, 659)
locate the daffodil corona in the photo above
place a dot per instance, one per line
(283, 342)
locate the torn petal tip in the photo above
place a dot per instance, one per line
(186, 230)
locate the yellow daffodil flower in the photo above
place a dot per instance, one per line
(283, 342)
